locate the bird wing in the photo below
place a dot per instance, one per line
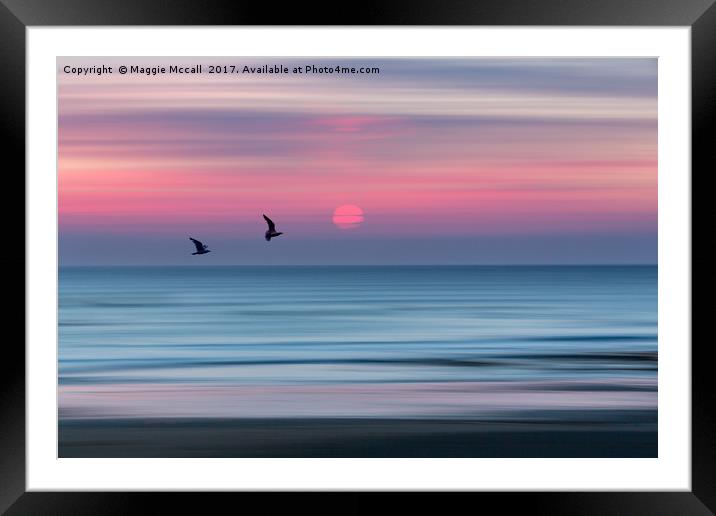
(199, 245)
(271, 225)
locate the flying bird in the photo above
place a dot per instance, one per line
(271, 231)
(200, 248)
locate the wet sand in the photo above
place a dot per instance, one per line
(355, 438)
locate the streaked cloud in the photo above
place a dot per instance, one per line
(464, 146)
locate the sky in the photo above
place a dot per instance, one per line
(450, 161)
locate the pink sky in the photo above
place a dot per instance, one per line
(428, 149)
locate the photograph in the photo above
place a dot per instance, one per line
(315, 256)
(343, 257)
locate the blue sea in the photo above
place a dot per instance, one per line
(486, 343)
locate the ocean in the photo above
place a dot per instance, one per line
(283, 361)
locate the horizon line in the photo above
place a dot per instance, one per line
(375, 265)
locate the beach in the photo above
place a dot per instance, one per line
(293, 438)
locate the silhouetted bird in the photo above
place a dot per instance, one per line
(271, 232)
(200, 248)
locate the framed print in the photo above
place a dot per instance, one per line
(402, 255)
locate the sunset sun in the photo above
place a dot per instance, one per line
(348, 216)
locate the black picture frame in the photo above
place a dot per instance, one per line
(17, 15)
